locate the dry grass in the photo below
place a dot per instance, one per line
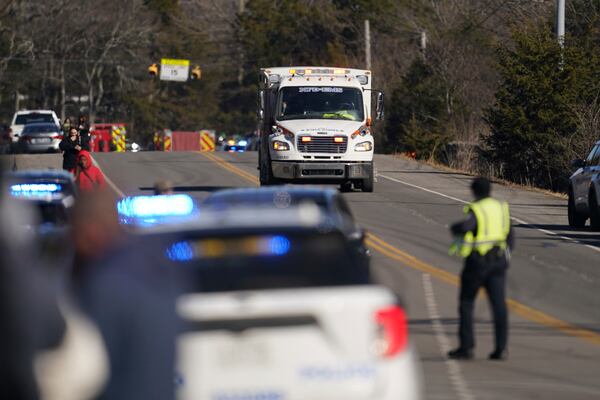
(443, 167)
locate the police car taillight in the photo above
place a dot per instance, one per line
(392, 331)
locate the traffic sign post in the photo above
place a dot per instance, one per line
(174, 70)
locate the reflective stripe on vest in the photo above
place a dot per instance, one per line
(493, 226)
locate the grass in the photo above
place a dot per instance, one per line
(434, 164)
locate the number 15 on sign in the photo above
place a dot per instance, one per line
(174, 70)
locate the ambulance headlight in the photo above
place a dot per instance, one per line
(363, 146)
(278, 145)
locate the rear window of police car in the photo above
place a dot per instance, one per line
(265, 260)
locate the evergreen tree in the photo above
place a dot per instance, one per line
(417, 113)
(532, 120)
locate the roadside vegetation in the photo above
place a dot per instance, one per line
(477, 85)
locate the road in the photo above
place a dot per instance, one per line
(553, 284)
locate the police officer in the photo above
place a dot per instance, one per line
(484, 239)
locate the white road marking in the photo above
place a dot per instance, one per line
(108, 180)
(518, 220)
(454, 371)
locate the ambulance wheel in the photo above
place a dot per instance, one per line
(346, 187)
(368, 183)
(266, 173)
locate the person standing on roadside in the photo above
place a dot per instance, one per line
(66, 126)
(484, 239)
(163, 188)
(87, 176)
(70, 146)
(84, 133)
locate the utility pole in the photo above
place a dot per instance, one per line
(368, 44)
(241, 10)
(560, 21)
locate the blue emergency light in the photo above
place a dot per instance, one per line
(153, 208)
(216, 248)
(35, 190)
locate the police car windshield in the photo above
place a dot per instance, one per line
(320, 102)
(266, 260)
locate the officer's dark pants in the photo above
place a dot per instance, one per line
(487, 271)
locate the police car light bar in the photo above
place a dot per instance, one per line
(178, 205)
(277, 245)
(35, 190)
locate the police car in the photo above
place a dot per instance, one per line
(278, 307)
(233, 145)
(329, 200)
(50, 192)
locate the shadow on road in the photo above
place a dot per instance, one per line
(537, 205)
(190, 188)
(425, 172)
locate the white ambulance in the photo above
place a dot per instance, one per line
(315, 126)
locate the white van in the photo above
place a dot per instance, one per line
(25, 117)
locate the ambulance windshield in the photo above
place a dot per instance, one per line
(320, 102)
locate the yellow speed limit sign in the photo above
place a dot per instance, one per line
(174, 70)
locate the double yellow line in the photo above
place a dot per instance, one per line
(376, 243)
(231, 168)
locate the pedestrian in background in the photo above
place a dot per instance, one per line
(484, 239)
(84, 133)
(70, 146)
(163, 187)
(87, 176)
(66, 126)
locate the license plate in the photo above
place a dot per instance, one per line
(243, 354)
(41, 140)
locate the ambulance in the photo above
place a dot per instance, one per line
(315, 126)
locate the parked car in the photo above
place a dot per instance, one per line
(584, 191)
(39, 138)
(26, 117)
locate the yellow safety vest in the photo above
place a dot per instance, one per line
(493, 226)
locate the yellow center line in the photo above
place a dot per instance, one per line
(406, 259)
(231, 168)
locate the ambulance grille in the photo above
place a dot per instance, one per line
(322, 144)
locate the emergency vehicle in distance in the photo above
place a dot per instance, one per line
(315, 126)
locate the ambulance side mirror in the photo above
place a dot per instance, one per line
(261, 105)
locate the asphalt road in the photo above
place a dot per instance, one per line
(553, 285)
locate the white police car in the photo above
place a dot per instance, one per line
(278, 308)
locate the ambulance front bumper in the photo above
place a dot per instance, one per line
(321, 170)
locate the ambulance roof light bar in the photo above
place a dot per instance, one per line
(319, 71)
